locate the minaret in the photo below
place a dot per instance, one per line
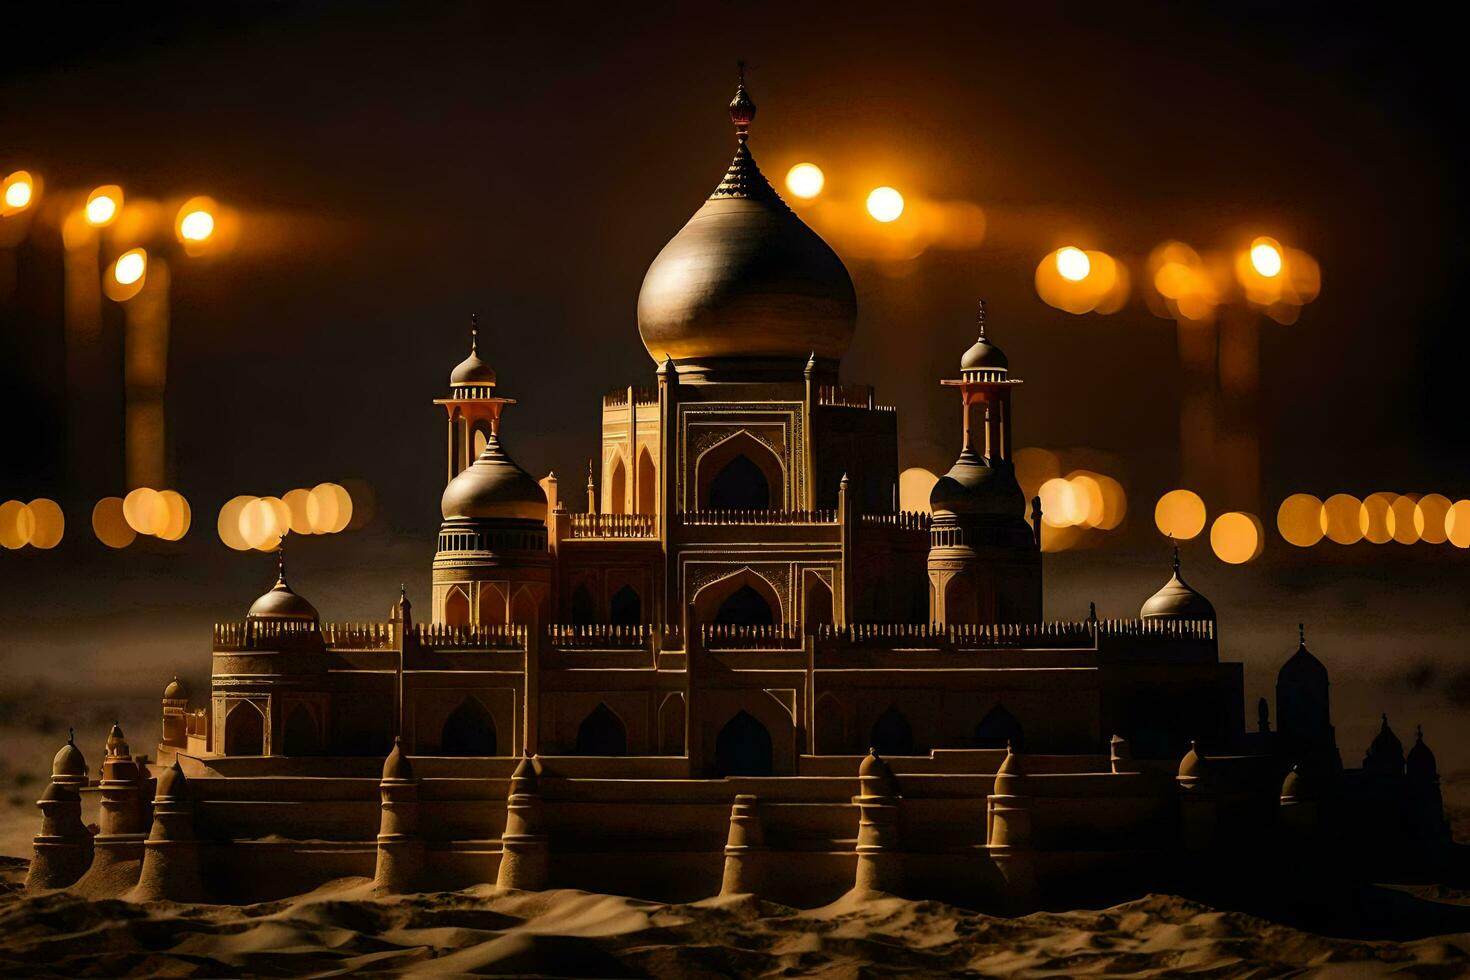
(473, 404)
(118, 845)
(171, 854)
(984, 559)
(64, 845)
(400, 848)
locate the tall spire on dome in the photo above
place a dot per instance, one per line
(980, 319)
(744, 178)
(474, 333)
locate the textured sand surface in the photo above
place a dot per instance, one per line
(341, 929)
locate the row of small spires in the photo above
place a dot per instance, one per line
(734, 516)
(641, 396)
(908, 520)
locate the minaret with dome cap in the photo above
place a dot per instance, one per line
(1177, 599)
(1303, 710)
(493, 566)
(984, 558)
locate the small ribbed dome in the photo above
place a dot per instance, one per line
(175, 691)
(984, 359)
(69, 761)
(1420, 761)
(280, 603)
(746, 278)
(493, 486)
(1177, 600)
(973, 487)
(473, 372)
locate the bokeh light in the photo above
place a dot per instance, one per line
(144, 510)
(1342, 518)
(1405, 509)
(1299, 519)
(1266, 257)
(1180, 514)
(16, 524)
(110, 524)
(196, 226)
(914, 486)
(1184, 287)
(228, 524)
(329, 508)
(48, 523)
(1237, 537)
(18, 192)
(1059, 504)
(103, 205)
(1073, 263)
(1376, 519)
(885, 204)
(176, 516)
(805, 180)
(297, 503)
(1430, 513)
(130, 267)
(1457, 524)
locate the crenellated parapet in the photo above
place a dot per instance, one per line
(696, 518)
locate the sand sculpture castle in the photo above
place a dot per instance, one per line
(740, 669)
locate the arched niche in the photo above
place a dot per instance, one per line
(617, 487)
(671, 720)
(469, 730)
(302, 733)
(584, 608)
(743, 597)
(625, 607)
(602, 733)
(740, 473)
(456, 608)
(525, 610)
(492, 605)
(998, 729)
(743, 747)
(816, 604)
(244, 729)
(830, 724)
(892, 734)
(647, 483)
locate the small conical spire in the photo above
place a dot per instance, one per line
(1301, 633)
(1092, 612)
(1418, 733)
(1175, 544)
(980, 319)
(281, 564)
(71, 736)
(474, 333)
(742, 108)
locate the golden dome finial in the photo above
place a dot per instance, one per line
(742, 107)
(1175, 544)
(281, 563)
(980, 319)
(474, 333)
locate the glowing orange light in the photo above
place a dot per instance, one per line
(49, 523)
(885, 204)
(110, 524)
(1266, 257)
(229, 523)
(1237, 537)
(1073, 264)
(16, 524)
(1342, 518)
(1430, 514)
(1180, 514)
(805, 180)
(329, 508)
(176, 517)
(1457, 524)
(914, 486)
(103, 204)
(1405, 518)
(1376, 519)
(18, 194)
(1299, 519)
(130, 267)
(145, 511)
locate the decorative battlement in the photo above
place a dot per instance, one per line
(619, 396)
(1077, 634)
(705, 517)
(850, 396)
(437, 636)
(603, 636)
(358, 636)
(463, 537)
(908, 520)
(613, 526)
(260, 634)
(717, 636)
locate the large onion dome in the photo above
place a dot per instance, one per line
(1302, 669)
(983, 361)
(1177, 600)
(69, 761)
(974, 487)
(745, 282)
(281, 604)
(493, 486)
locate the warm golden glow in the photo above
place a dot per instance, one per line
(1405, 518)
(1266, 257)
(1376, 519)
(49, 523)
(1060, 506)
(329, 509)
(229, 523)
(16, 524)
(176, 516)
(19, 192)
(110, 524)
(805, 180)
(298, 502)
(196, 222)
(1073, 263)
(1180, 514)
(1457, 524)
(1299, 519)
(1237, 537)
(130, 267)
(197, 226)
(1342, 518)
(103, 204)
(914, 487)
(1430, 514)
(262, 524)
(143, 510)
(885, 204)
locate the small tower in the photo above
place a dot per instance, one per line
(63, 848)
(1385, 756)
(118, 846)
(1008, 832)
(524, 852)
(175, 715)
(879, 863)
(400, 849)
(984, 559)
(493, 565)
(745, 848)
(171, 854)
(1303, 711)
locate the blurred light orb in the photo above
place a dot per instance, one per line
(144, 510)
(260, 523)
(228, 524)
(20, 190)
(130, 267)
(103, 204)
(110, 524)
(1405, 518)
(1299, 519)
(1376, 519)
(1430, 514)
(805, 180)
(196, 226)
(1060, 506)
(885, 204)
(1342, 518)
(1236, 538)
(16, 524)
(329, 508)
(1073, 264)
(49, 523)
(1266, 257)
(1180, 514)
(176, 516)
(1457, 524)
(914, 486)
(297, 502)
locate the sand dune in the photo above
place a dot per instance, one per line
(341, 929)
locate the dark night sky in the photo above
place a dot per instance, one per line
(399, 166)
